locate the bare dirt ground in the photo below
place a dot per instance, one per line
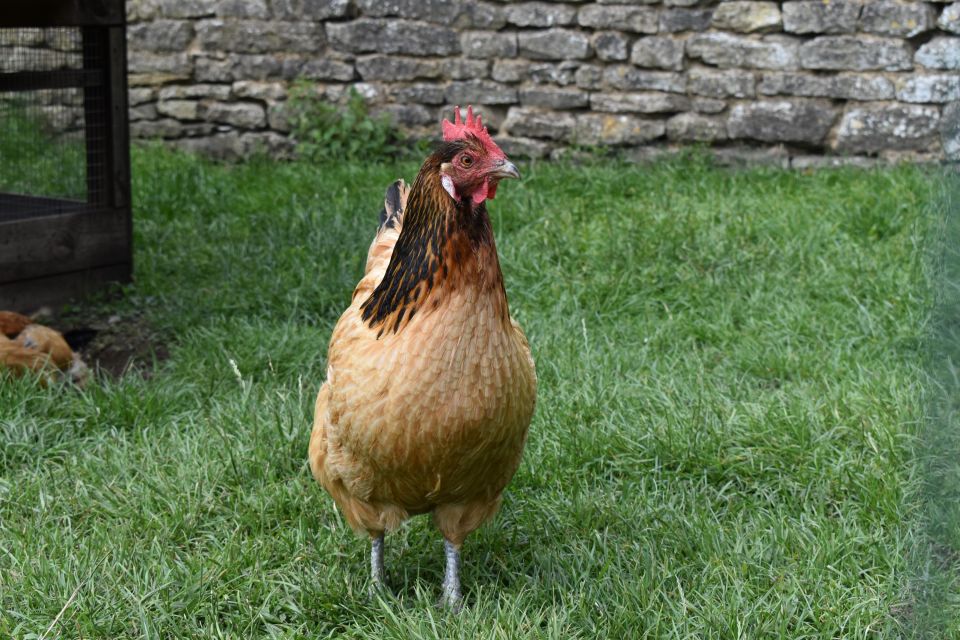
(112, 343)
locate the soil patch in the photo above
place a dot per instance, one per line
(110, 342)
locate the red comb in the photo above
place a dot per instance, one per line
(473, 126)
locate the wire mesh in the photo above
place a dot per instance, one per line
(51, 110)
(97, 120)
(63, 150)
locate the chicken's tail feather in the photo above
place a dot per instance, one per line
(394, 201)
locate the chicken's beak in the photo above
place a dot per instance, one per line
(505, 169)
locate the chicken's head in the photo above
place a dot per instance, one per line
(474, 164)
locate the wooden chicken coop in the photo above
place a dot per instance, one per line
(65, 217)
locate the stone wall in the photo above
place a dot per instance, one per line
(795, 82)
(60, 109)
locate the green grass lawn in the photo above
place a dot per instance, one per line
(738, 434)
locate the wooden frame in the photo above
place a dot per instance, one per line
(73, 247)
(64, 13)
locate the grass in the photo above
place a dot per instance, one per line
(733, 437)
(36, 159)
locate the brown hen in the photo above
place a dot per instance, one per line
(25, 346)
(430, 383)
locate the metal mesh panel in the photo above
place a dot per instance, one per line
(97, 121)
(50, 98)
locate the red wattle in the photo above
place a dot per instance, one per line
(481, 193)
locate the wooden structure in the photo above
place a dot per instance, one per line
(66, 58)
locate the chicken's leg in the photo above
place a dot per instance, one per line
(451, 597)
(376, 562)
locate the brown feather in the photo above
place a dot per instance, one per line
(18, 359)
(39, 349)
(12, 323)
(48, 341)
(430, 384)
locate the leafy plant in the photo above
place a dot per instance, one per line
(325, 132)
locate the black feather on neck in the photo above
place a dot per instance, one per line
(439, 237)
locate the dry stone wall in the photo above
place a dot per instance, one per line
(798, 82)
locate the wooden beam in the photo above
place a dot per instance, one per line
(27, 296)
(118, 116)
(17, 206)
(55, 79)
(47, 245)
(96, 116)
(62, 13)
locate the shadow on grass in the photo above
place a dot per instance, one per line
(936, 565)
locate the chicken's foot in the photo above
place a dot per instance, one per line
(451, 597)
(377, 573)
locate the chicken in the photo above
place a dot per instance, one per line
(430, 383)
(25, 346)
(12, 323)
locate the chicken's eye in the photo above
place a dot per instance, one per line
(466, 161)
